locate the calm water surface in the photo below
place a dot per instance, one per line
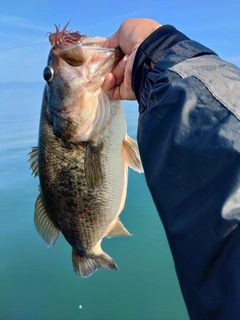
(39, 283)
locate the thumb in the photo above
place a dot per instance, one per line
(112, 41)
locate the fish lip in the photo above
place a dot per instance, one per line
(75, 54)
(59, 49)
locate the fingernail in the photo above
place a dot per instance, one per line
(106, 44)
(123, 62)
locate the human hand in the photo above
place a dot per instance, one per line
(132, 32)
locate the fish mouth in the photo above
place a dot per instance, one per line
(73, 47)
(76, 55)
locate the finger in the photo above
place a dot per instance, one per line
(119, 70)
(128, 71)
(112, 41)
(110, 89)
(126, 91)
(114, 79)
(109, 84)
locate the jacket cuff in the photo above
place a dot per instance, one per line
(164, 48)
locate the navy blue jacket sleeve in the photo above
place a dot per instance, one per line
(189, 141)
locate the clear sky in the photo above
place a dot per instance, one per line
(25, 23)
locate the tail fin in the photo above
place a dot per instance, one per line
(86, 266)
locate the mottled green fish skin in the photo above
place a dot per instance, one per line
(83, 154)
(82, 214)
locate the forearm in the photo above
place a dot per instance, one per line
(163, 49)
(189, 145)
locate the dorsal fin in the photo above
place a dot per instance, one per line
(44, 224)
(118, 230)
(33, 159)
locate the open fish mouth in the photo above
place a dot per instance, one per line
(75, 55)
(72, 46)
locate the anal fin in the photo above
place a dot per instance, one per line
(44, 224)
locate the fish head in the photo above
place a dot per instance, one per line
(76, 69)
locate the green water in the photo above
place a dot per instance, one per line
(38, 283)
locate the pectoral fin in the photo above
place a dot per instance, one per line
(92, 164)
(44, 224)
(131, 154)
(118, 230)
(33, 159)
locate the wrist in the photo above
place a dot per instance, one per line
(153, 48)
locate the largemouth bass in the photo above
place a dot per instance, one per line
(83, 151)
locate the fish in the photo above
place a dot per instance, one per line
(83, 151)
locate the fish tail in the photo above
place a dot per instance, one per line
(85, 266)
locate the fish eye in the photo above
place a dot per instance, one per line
(48, 73)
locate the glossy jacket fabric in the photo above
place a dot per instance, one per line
(189, 141)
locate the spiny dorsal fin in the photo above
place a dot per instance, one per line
(85, 266)
(118, 230)
(33, 159)
(131, 154)
(44, 224)
(92, 165)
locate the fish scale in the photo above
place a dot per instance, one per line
(83, 154)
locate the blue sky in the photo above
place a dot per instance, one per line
(25, 23)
